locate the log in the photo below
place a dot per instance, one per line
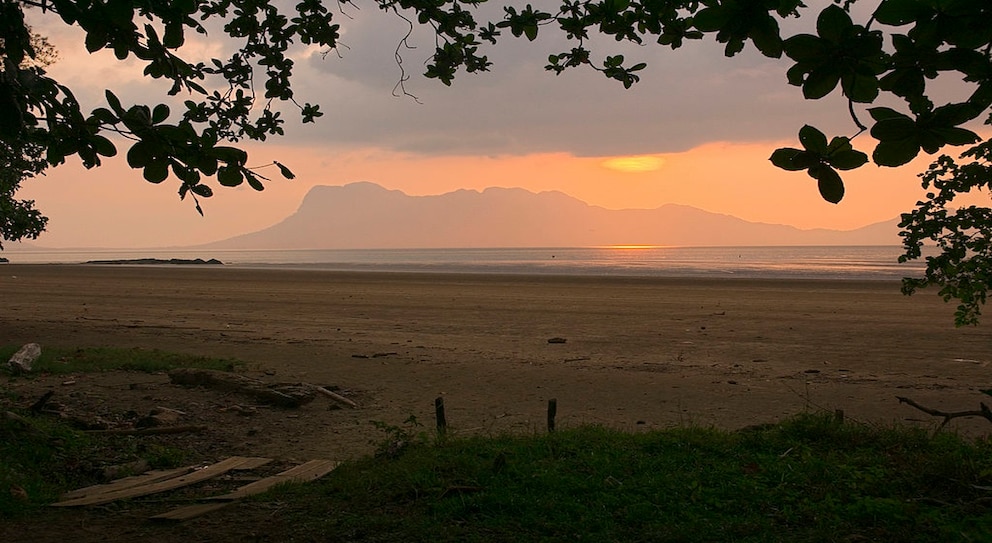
(221, 380)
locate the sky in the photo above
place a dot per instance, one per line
(697, 130)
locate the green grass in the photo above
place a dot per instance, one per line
(806, 479)
(94, 359)
(44, 457)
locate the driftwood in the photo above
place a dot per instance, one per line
(287, 397)
(334, 396)
(983, 412)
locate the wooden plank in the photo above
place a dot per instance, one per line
(191, 511)
(251, 462)
(127, 482)
(308, 471)
(208, 472)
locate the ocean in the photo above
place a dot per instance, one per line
(819, 262)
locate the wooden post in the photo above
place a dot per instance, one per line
(552, 412)
(839, 415)
(442, 423)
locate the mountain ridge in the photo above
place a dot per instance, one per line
(365, 215)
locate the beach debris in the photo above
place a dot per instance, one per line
(24, 359)
(283, 395)
(982, 411)
(37, 406)
(383, 355)
(557, 340)
(334, 396)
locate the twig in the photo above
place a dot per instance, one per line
(983, 412)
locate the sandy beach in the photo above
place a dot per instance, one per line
(638, 353)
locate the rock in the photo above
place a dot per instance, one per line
(18, 493)
(160, 416)
(24, 359)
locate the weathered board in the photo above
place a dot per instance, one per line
(128, 482)
(309, 471)
(209, 472)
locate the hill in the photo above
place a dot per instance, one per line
(365, 215)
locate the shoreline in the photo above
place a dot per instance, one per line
(640, 352)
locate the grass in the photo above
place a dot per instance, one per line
(806, 479)
(43, 457)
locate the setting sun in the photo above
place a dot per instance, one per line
(634, 164)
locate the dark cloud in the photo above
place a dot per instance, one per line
(686, 97)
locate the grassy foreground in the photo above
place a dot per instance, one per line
(809, 478)
(40, 457)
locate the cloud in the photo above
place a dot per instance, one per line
(686, 97)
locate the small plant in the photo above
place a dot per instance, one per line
(398, 438)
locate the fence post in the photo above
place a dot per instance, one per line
(552, 412)
(442, 423)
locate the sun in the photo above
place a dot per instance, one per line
(634, 164)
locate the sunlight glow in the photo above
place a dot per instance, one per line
(634, 164)
(635, 247)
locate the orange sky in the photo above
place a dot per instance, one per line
(697, 130)
(119, 209)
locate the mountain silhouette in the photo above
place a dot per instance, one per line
(366, 215)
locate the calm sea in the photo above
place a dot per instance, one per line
(865, 262)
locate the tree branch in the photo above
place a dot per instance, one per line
(983, 412)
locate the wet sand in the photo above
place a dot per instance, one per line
(638, 353)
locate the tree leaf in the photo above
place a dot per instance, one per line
(894, 129)
(883, 113)
(828, 182)
(286, 172)
(813, 140)
(819, 83)
(894, 153)
(160, 113)
(156, 171)
(202, 190)
(847, 160)
(229, 176)
(834, 24)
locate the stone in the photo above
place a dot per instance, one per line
(24, 359)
